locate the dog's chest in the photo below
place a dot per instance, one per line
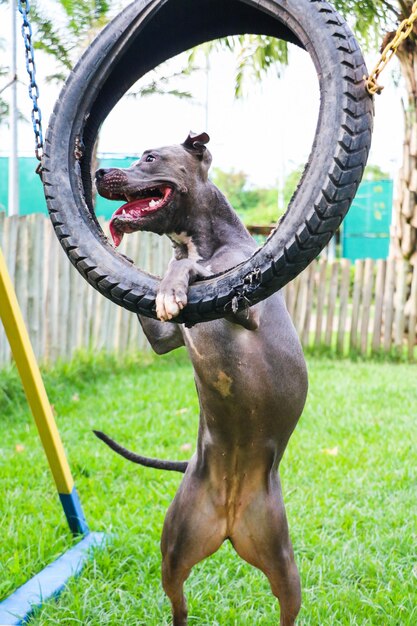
(185, 241)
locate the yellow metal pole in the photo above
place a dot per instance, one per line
(26, 363)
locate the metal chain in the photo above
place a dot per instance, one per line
(404, 31)
(24, 8)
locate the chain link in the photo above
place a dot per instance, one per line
(24, 8)
(403, 32)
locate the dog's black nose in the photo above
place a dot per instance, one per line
(101, 173)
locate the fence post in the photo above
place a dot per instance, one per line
(321, 293)
(312, 270)
(399, 302)
(389, 304)
(368, 285)
(357, 290)
(343, 308)
(413, 315)
(331, 303)
(381, 266)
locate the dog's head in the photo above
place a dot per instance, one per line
(158, 189)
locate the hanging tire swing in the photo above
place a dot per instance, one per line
(123, 52)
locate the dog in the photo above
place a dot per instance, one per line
(249, 370)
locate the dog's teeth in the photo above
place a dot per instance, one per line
(124, 212)
(153, 203)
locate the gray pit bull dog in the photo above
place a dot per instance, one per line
(249, 371)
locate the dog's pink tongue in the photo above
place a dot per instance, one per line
(116, 235)
(132, 211)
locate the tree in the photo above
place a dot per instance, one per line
(6, 81)
(4, 107)
(375, 173)
(255, 205)
(4, 84)
(233, 184)
(255, 56)
(79, 23)
(65, 27)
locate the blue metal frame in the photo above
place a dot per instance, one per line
(74, 513)
(49, 583)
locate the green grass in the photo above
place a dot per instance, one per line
(352, 515)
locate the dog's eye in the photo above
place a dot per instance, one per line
(150, 158)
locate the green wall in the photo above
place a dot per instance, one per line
(366, 228)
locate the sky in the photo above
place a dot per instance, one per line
(266, 134)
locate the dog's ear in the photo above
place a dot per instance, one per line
(195, 143)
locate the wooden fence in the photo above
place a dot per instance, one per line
(62, 312)
(366, 307)
(348, 308)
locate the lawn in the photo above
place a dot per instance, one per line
(349, 480)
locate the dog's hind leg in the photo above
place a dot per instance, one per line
(261, 537)
(192, 532)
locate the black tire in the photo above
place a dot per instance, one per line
(124, 51)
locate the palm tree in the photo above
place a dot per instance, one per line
(255, 55)
(66, 27)
(4, 84)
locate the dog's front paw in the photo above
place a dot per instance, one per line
(170, 301)
(172, 294)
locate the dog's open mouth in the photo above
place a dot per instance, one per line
(139, 205)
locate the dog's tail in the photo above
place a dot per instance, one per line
(172, 466)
